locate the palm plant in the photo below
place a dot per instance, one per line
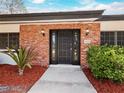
(22, 57)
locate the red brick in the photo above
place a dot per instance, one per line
(30, 36)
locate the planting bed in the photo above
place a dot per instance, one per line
(11, 82)
(103, 86)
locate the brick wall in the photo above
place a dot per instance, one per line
(30, 36)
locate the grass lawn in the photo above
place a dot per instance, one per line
(103, 86)
(11, 82)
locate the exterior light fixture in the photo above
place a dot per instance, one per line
(87, 32)
(42, 32)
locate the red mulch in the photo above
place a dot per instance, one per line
(104, 86)
(11, 82)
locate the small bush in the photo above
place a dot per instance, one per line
(107, 62)
(22, 57)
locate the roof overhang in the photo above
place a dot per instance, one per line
(52, 17)
(50, 21)
(111, 18)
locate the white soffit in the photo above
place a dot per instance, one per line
(51, 21)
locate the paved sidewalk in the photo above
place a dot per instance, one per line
(63, 79)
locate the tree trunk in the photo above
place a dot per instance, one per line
(21, 71)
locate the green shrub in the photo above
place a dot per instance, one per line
(107, 62)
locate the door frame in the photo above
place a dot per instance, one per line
(50, 49)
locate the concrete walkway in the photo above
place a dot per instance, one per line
(63, 79)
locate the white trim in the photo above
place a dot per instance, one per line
(51, 21)
(111, 30)
(11, 32)
(5, 50)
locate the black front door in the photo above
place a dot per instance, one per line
(64, 46)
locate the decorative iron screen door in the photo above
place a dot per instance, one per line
(64, 46)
